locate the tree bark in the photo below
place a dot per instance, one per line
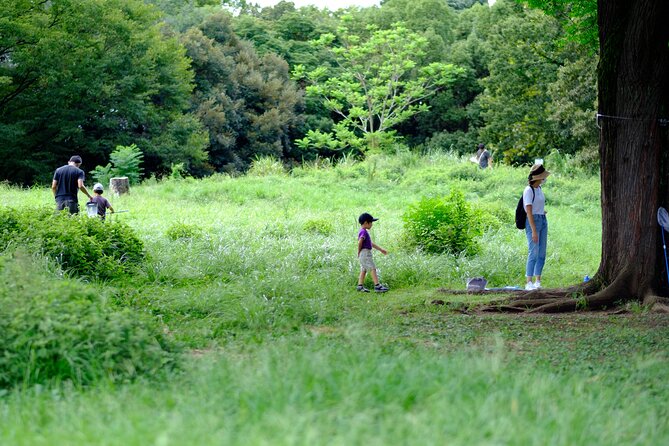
(633, 80)
(119, 185)
(633, 93)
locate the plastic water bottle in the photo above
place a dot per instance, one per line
(586, 278)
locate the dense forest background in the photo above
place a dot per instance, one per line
(210, 86)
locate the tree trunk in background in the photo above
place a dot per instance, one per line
(119, 185)
(634, 91)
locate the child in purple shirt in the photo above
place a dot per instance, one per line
(365, 246)
(102, 202)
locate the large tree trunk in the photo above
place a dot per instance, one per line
(633, 80)
(634, 104)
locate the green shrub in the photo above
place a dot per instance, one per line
(467, 172)
(319, 226)
(443, 224)
(183, 231)
(458, 142)
(82, 245)
(56, 330)
(494, 215)
(266, 166)
(125, 162)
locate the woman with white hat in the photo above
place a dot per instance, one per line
(536, 226)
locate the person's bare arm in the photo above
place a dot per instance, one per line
(82, 188)
(375, 246)
(54, 187)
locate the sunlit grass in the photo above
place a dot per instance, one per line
(255, 276)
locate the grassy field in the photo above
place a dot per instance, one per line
(280, 349)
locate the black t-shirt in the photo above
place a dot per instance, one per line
(67, 178)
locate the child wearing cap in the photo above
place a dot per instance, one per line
(102, 202)
(365, 246)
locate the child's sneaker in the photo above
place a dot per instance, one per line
(529, 286)
(380, 288)
(537, 285)
(362, 289)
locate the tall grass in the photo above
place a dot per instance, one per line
(278, 250)
(345, 389)
(256, 275)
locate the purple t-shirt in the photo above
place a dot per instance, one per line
(366, 239)
(103, 204)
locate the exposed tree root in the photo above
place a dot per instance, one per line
(585, 296)
(588, 296)
(657, 304)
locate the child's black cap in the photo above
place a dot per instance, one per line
(365, 217)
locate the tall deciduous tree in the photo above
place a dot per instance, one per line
(379, 83)
(524, 63)
(247, 102)
(634, 146)
(84, 76)
(633, 92)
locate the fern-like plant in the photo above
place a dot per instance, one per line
(125, 162)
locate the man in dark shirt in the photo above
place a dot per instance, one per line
(67, 181)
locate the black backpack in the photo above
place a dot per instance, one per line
(521, 215)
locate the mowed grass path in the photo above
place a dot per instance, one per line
(281, 350)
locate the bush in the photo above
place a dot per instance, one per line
(266, 166)
(494, 216)
(183, 231)
(82, 245)
(57, 330)
(467, 172)
(439, 225)
(125, 161)
(319, 226)
(457, 142)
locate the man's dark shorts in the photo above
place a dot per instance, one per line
(70, 205)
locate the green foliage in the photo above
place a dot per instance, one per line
(443, 225)
(247, 102)
(523, 64)
(463, 4)
(381, 82)
(183, 231)
(102, 174)
(319, 226)
(265, 166)
(177, 171)
(566, 164)
(56, 330)
(81, 245)
(457, 142)
(125, 162)
(580, 19)
(573, 105)
(83, 77)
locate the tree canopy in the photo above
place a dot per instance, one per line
(83, 77)
(211, 85)
(377, 84)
